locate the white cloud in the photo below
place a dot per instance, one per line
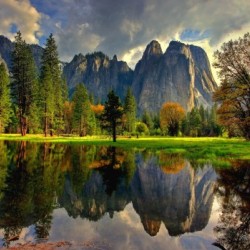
(77, 40)
(130, 28)
(21, 14)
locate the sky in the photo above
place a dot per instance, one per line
(124, 27)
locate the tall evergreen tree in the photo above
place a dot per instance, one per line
(147, 119)
(24, 82)
(82, 114)
(112, 113)
(47, 101)
(130, 111)
(5, 102)
(195, 122)
(51, 69)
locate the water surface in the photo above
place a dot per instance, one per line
(121, 199)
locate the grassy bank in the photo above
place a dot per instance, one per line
(204, 147)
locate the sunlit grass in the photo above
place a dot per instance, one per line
(197, 148)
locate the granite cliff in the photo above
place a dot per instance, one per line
(182, 74)
(99, 74)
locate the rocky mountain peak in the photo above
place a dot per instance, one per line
(78, 58)
(152, 49)
(176, 47)
(182, 74)
(99, 74)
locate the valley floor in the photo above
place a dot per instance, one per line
(198, 147)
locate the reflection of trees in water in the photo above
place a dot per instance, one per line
(32, 178)
(171, 163)
(4, 159)
(111, 169)
(106, 188)
(233, 229)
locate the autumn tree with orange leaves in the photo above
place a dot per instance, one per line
(233, 95)
(171, 115)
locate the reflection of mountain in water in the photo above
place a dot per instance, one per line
(182, 201)
(94, 201)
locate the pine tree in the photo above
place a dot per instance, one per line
(146, 118)
(47, 102)
(112, 113)
(24, 82)
(83, 117)
(195, 121)
(5, 102)
(215, 128)
(130, 111)
(51, 64)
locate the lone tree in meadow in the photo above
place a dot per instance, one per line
(171, 115)
(233, 95)
(112, 113)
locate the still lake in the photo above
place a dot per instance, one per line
(121, 199)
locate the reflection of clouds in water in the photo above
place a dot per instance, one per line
(70, 229)
(27, 235)
(130, 217)
(203, 239)
(197, 242)
(125, 231)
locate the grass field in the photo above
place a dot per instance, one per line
(204, 147)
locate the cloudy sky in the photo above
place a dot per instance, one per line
(124, 27)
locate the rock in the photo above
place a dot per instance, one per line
(182, 74)
(99, 74)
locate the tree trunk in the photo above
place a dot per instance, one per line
(21, 154)
(51, 130)
(45, 122)
(80, 129)
(23, 125)
(114, 131)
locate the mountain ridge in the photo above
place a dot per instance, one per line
(180, 74)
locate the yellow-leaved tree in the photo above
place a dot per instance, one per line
(171, 116)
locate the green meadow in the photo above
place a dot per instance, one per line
(197, 148)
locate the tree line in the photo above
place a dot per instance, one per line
(32, 102)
